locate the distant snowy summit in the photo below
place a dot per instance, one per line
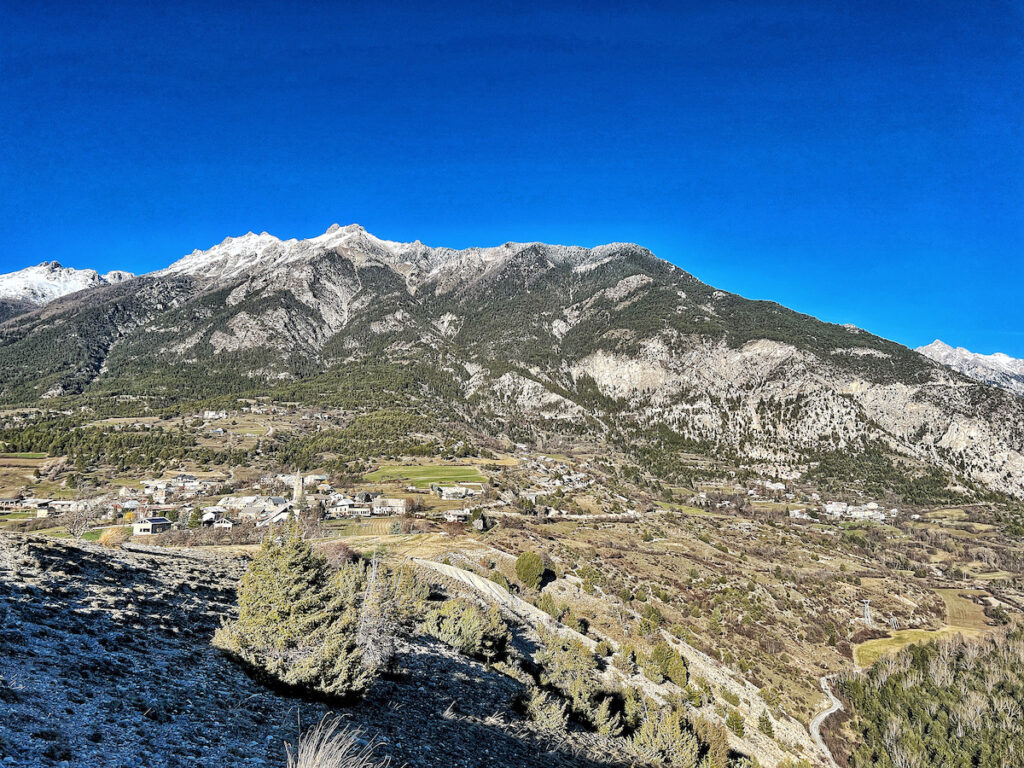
(999, 370)
(45, 282)
(237, 257)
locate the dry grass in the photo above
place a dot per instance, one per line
(422, 475)
(328, 745)
(114, 538)
(962, 613)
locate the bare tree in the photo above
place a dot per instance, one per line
(80, 517)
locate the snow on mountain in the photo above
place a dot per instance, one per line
(45, 282)
(237, 257)
(998, 369)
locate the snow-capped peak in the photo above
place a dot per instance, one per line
(45, 282)
(241, 256)
(998, 369)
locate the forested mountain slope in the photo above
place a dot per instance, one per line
(523, 339)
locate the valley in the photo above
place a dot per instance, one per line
(664, 514)
(757, 584)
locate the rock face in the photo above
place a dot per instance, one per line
(526, 336)
(999, 370)
(105, 661)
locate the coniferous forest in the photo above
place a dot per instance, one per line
(951, 702)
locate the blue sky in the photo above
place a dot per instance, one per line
(862, 162)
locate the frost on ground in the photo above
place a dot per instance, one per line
(105, 661)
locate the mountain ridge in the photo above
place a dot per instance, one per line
(998, 369)
(40, 284)
(524, 339)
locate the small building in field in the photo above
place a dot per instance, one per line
(150, 525)
(224, 522)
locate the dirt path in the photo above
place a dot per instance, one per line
(815, 727)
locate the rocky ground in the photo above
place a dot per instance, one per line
(105, 660)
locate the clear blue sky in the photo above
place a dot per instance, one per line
(859, 161)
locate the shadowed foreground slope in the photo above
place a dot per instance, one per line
(105, 660)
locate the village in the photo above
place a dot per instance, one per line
(188, 502)
(522, 482)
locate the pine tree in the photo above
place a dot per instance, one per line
(530, 569)
(606, 722)
(734, 722)
(378, 621)
(667, 738)
(764, 724)
(297, 621)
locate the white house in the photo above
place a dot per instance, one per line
(151, 525)
(281, 515)
(385, 506)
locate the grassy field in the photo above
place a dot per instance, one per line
(963, 617)
(422, 475)
(994, 575)
(961, 612)
(375, 533)
(16, 471)
(375, 526)
(685, 509)
(946, 514)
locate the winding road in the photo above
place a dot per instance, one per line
(815, 728)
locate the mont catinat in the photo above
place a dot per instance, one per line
(524, 505)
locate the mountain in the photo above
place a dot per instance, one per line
(41, 284)
(998, 370)
(522, 341)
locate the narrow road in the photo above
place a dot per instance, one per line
(815, 728)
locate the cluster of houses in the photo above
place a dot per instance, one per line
(549, 475)
(364, 504)
(44, 507)
(181, 487)
(157, 505)
(841, 510)
(869, 511)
